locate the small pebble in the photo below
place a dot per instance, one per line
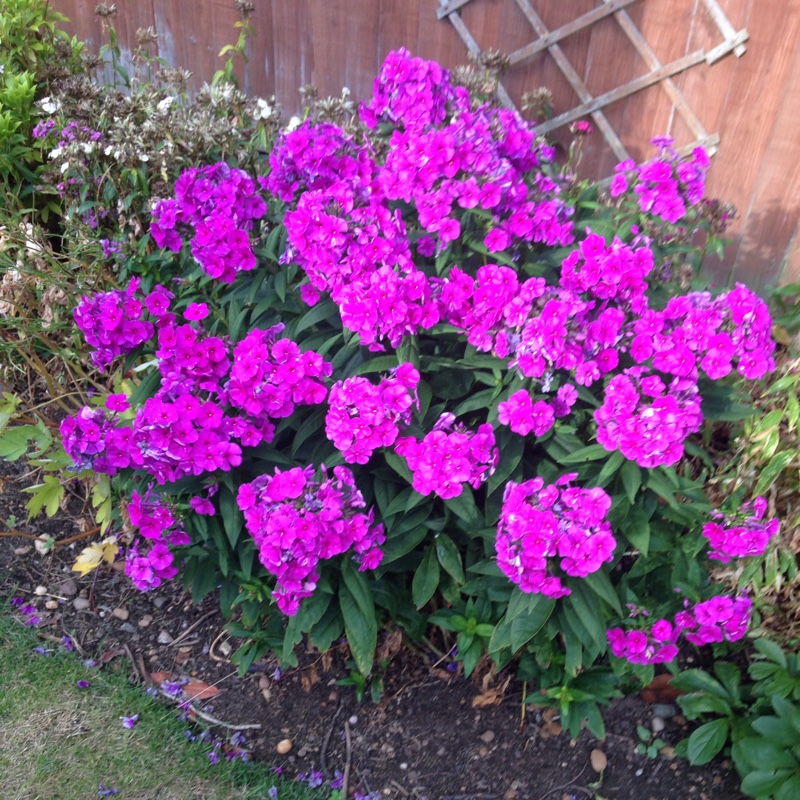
(51, 605)
(639, 773)
(127, 627)
(353, 720)
(598, 760)
(68, 588)
(487, 737)
(657, 724)
(225, 648)
(159, 601)
(284, 746)
(22, 551)
(80, 604)
(164, 638)
(404, 765)
(145, 620)
(40, 591)
(121, 613)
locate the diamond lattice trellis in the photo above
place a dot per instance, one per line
(658, 73)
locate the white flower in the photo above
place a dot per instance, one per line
(264, 109)
(87, 147)
(64, 167)
(165, 104)
(294, 122)
(49, 105)
(54, 153)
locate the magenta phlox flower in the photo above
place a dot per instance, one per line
(443, 462)
(741, 534)
(718, 619)
(113, 323)
(363, 417)
(541, 523)
(658, 645)
(270, 377)
(646, 420)
(300, 517)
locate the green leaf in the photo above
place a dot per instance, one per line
(46, 495)
(449, 557)
(511, 447)
(770, 473)
(695, 680)
(320, 312)
(636, 528)
(600, 584)
(790, 790)
(771, 650)
(463, 505)
(399, 465)
(360, 624)
(309, 614)
(377, 364)
(525, 626)
(426, 578)
(205, 579)
(763, 783)
(232, 518)
(592, 452)
(611, 467)
(707, 741)
(631, 475)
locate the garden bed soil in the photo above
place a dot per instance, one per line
(428, 737)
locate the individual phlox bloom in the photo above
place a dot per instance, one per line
(363, 417)
(524, 416)
(443, 462)
(300, 517)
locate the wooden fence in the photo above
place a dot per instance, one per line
(723, 71)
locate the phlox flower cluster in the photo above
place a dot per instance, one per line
(315, 157)
(745, 533)
(347, 233)
(658, 645)
(718, 619)
(699, 331)
(722, 618)
(411, 92)
(539, 522)
(190, 360)
(363, 417)
(147, 568)
(85, 437)
(271, 376)
(443, 462)
(646, 420)
(299, 518)
(666, 186)
(218, 204)
(113, 323)
(525, 416)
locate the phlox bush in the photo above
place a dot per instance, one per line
(502, 356)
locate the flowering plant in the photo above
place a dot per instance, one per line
(527, 332)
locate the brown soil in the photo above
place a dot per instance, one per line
(425, 739)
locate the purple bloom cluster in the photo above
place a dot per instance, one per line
(219, 204)
(666, 186)
(363, 417)
(745, 533)
(719, 619)
(113, 323)
(716, 620)
(156, 523)
(298, 518)
(539, 522)
(654, 646)
(646, 420)
(270, 377)
(525, 416)
(443, 462)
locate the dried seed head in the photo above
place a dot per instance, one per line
(104, 10)
(245, 7)
(146, 36)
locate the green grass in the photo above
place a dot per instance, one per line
(60, 742)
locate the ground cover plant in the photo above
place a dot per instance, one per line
(406, 373)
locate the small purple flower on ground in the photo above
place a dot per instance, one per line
(273, 793)
(83, 684)
(130, 722)
(66, 642)
(104, 792)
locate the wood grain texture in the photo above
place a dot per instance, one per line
(752, 101)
